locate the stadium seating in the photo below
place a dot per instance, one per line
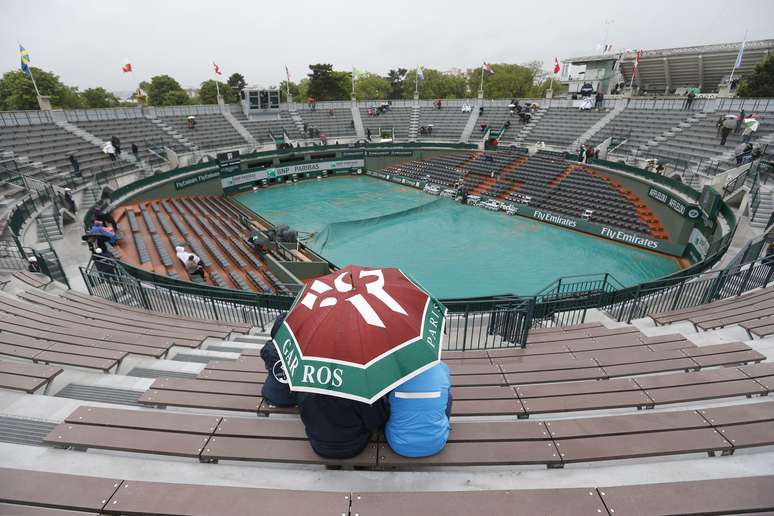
(560, 126)
(331, 122)
(638, 127)
(447, 123)
(140, 131)
(397, 118)
(197, 223)
(212, 131)
(263, 129)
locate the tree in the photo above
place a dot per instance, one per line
(99, 98)
(396, 78)
(325, 84)
(208, 92)
(163, 90)
(761, 82)
(294, 91)
(236, 83)
(436, 84)
(17, 91)
(372, 86)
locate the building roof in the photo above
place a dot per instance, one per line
(701, 66)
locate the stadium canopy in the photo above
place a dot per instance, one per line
(669, 69)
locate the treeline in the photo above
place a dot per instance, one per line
(18, 93)
(508, 80)
(322, 83)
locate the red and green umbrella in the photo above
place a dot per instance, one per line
(360, 332)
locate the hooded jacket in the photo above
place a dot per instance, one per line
(419, 413)
(339, 428)
(274, 391)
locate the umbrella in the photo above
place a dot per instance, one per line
(751, 124)
(360, 332)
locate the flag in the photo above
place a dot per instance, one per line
(217, 69)
(738, 62)
(420, 74)
(488, 69)
(127, 66)
(556, 65)
(608, 48)
(356, 73)
(25, 60)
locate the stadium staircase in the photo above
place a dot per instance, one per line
(414, 123)
(47, 226)
(525, 131)
(594, 129)
(125, 156)
(240, 129)
(470, 125)
(359, 129)
(173, 133)
(297, 120)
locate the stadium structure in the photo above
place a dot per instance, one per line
(128, 386)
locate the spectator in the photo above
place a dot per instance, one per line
(69, 201)
(438, 104)
(351, 124)
(191, 121)
(739, 121)
(582, 154)
(135, 151)
(599, 99)
(116, 144)
(507, 124)
(194, 266)
(368, 134)
(419, 413)
(275, 387)
(589, 154)
(106, 219)
(339, 428)
(769, 258)
(480, 110)
(483, 127)
(724, 132)
(660, 169)
(719, 125)
(596, 153)
(689, 99)
(747, 134)
(324, 139)
(422, 130)
(75, 164)
(98, 228)
(108, 149)
(429, 129)
(32, 264)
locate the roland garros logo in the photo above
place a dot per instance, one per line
(338, 292)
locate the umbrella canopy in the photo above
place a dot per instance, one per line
(751, 124)
(360, 332)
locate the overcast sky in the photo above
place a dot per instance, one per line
(85, 41)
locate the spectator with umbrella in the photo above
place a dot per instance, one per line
(349, 339)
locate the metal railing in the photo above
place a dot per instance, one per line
(107, 279)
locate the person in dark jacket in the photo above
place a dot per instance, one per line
(339, 428)
(275, 388)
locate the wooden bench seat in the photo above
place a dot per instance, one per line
(163, 398)
(760, 328)
(714, 309)
(721, 496)
(29, 378)
(179, 327)
(42, 351)
(33, 279)
(56, 490)
(99, 303)
(87, 337)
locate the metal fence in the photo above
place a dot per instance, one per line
(488, 323)
(107, 279)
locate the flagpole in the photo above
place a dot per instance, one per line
(416, 82)
(481, 87)
(731, 77)
(634, 71)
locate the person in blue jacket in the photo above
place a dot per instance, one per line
(419, 413)
(275, 388)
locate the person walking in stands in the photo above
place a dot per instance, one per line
(419, 413)
(135, 151)
(719, 125)
(275, 388)
(116, 144)
(724, 132)
(75, 164)
(582, 154)
(340, 428)
(739, 121)
(689, 100)
(598, 99)
(368, 133)
(108, 149)
(32, 264)
(68, 199)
